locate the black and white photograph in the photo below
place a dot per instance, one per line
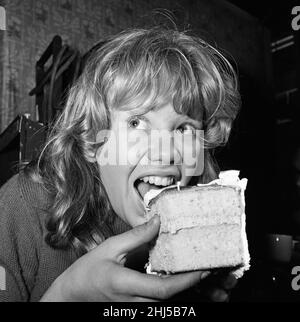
(150, 153)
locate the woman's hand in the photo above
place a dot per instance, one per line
(100, 275)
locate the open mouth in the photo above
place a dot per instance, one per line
(144, 184)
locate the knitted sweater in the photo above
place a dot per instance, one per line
(29, 264)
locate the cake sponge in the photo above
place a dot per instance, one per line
(202, 227)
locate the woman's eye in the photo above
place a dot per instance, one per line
(134, 122)
(186, 129)
(137, 123)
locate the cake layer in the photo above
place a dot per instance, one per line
(198, 248)
(201, 206)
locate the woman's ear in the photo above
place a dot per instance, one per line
(92, 154)
(91, 157)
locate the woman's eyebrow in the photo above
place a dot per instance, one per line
(187, 119)
(181, 118)
(141, 116)
(136, 113)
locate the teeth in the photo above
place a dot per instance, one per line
(158, 181)
(164, 181)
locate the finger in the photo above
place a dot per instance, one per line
(218, 295)
(135, 237)
(143, 299)
(229, 282)
(156, 287)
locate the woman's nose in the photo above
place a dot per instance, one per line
(161, 148)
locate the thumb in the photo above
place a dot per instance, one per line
(136, 237)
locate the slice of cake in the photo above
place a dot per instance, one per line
(202, 227)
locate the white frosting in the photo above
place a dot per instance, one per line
(149, 270)
(226, 178)
(151, 194)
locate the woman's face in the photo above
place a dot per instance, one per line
(144, 152)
